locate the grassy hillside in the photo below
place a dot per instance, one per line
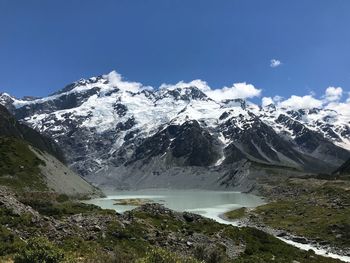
(10, 127)
(313, 208)
(19, 166)
(31, 162)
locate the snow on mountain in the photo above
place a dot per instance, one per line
(332, 125)
(106, 122)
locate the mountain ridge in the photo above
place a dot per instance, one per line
(105, 122)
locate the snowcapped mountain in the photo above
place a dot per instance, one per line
(108, 126)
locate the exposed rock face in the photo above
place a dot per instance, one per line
(188, 143)
(105, 126)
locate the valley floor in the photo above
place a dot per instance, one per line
(36, 227)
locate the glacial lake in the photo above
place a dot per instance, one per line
(207, 203)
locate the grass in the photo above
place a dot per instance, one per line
(159, 255)
(132, 201)
(316, 222)
(61, 207)
(39, 249)
(262, 247)
(236, 214)
(10, 243)
(318, 210)
(19, 166)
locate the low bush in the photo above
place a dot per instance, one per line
(39, 250)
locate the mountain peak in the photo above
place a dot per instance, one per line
(102, 121)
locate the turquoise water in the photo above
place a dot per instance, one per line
(210, 204)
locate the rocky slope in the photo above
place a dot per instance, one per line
(32, 162)
(107, 125)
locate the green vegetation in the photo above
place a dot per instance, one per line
(132, 242)
(62, 198)
(10, 243)
(319, 223)
(19, 166)
(262, 247)
(205, 254)
(79, 250)
(312, 208)
(133, 201)
(39, 249)
(236, 214)
(60, 209)
(258, 246)
(159, 255)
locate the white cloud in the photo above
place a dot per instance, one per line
(274, 63)
(312, 93)
(266, 101)
(304, 102)
(237, 91)
(333, 94)
(342, 108)
(330, 100)
(200, 84)
(277, 98)
(116, 80)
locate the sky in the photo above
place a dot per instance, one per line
(267, 49)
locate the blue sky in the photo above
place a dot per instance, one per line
(45, 45)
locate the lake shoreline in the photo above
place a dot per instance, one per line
(307, 212)
(217, 213)
(306, 244)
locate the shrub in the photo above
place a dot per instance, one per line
(208, 255)
(159, 255)
(39, 250)
(9, 242)
(62, 198)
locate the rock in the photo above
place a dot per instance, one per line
(96, 228)
(323, 243)
(282, 234)
(188, 217)
(119, 235)
(301, 240)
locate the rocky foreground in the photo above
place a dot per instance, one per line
(70, 231)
